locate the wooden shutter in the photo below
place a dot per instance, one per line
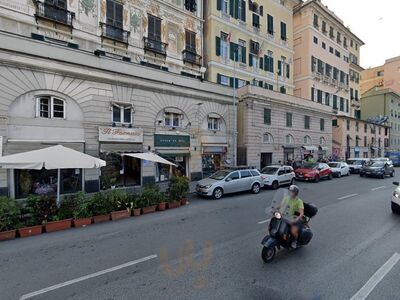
(217, 46)
(261, 10)
(231, 7)
(231, 81)
(219, 78)
(261, 63)
(236, 8)
(279, 68)
(312, 94)
(243, 14)
(244, 55)
(250, 60)
(219, 4)
(271, 67)
(288, 71)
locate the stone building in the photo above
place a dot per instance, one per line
(80, 74)
(275, 127)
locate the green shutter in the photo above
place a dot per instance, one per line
(266, 62)
(231, 7)
(231, 81)
(232, 51)
(244, 55)
(219, 78)
(267, 116)
(250, 60)
(236, 82)
(243, 10)
(236, 7)
(288, 71)
(218, 46)
(261, 63)
(219, 4)
(271, 67)
(279, 68)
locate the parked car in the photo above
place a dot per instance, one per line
(355, 164)
(275, 176)
(396, 199)
(385, 159)
(339, 169)
(314, 172)
(394, 156)
(230, 181)
(377, 168)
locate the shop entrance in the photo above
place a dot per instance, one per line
(211, 163)
(266, 160)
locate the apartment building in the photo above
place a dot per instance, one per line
(326, 58)
(354, 138)
(383, 103)
(386, 76)
(250, 42)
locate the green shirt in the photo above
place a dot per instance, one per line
(292, 206)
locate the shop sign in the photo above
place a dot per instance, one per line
(171, 141)
(120, 134)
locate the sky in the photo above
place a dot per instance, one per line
(377, 23)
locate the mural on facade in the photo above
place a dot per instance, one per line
(87, 7)
(135, 25)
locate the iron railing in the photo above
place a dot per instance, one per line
(155, 46)
(114, 33)
(190, 56)
(54, 13)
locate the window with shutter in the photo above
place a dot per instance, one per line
(190, 41)
(279, 68)
(267, 116)
(283, 31)
(287, 71)
(154, 28)
(114, 14)
(191, 5)
(312, 94)
(270, 24)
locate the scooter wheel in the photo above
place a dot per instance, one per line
(268, 254)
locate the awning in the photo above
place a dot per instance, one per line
(120, 147)
(150, 157)
(324, 148)
(310, 148)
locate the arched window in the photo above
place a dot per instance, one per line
(307, 140)
(50, 107)
(322, 141)
(289, 140)
(267, 138)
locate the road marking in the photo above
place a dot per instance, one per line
(86, 277)
(364, 292)
(378, 188)
(347, 196)
(263, 222)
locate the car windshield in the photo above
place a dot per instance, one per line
(354, 162)
(376, 164)
(219, 175)
(310, 166)
(269, 170)
(333, 165)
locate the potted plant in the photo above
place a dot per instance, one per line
(121, 203)
(149, 198)
(136, 205)
(81, 215)
(54, 219)
(99, 207)
(177, 190)
(10, 213)
(162, 205)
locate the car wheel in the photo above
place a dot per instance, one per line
(316, 179)
(339, 175)
(268, 254)
(331, 176)
(392, 174)
(255, 189)
(293, 181)
(395, 210)
(218, 193)
(275, 185)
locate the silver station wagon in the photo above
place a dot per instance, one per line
(230, 181)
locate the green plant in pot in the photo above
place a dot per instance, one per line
(98, 204)
(10, 213)
(41, 209)
(178, 188)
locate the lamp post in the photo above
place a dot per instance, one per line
(234, 141)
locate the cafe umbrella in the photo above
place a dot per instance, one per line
(51, 158)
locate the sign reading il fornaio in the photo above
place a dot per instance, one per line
(120, 134)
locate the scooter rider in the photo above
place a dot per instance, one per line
(293, 208)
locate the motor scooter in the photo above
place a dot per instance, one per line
(280, 236)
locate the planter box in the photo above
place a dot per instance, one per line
(162, 206)
(136, 212)
(174, 204)
(30, 231)
(101, 218)
(8, 235)
(149, 209)
(58, 225)
(81, 222)
(184, 201)
(122, 214)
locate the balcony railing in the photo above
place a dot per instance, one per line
(54, 13)
(114, 33)
(155, 46)
(190, 56)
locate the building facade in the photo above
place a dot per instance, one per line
(326, 58)
(384, 103)
(354, 138)
(279, 128)
(384, 77)
(106, 91)
(250, 42)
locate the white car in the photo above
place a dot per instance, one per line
(275, 176)
(396, 199)
(339, 169)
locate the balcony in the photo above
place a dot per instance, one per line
(155, 46)
(190, 56)
(114, 33)
(51, 12)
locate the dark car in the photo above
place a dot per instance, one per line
(377, 169)
(314, 172)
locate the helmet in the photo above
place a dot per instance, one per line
(294, 189)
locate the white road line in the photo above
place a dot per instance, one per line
(364, 292)
(86, 277)
(378, 188)
(263, 222)
(347, 196)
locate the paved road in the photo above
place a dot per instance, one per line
(211, 250)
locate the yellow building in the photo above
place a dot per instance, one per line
(250, 41)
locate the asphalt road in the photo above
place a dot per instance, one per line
(211, 250)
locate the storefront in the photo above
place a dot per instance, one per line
(288, 153)
(176, 149)
(212, 158)
(309, 152)
(120, 170)
(322, 151)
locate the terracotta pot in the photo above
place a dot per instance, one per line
(162, 206)
(136, 212)
(58, 225)
(184, 201)
(149, 209)
(81, 222)
(30, 231)
(174, 204)
(122, 214)
(8, 235)
(101, 218)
